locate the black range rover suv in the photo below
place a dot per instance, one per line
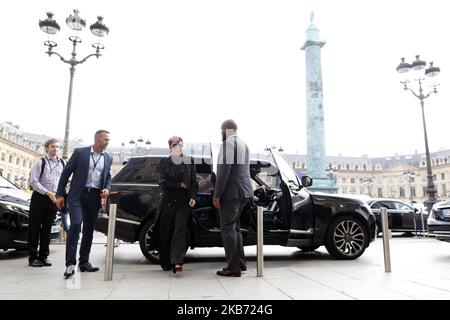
(293, 216)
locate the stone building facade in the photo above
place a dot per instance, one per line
(401, 176)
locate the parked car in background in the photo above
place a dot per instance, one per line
(439, 221)
(292, 216)
(402, 217)
(14, 214)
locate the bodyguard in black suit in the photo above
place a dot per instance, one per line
(232, 192)
(91, 180)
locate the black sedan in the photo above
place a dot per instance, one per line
(402, 217)
(292, 216)
(14, 212)
(439, 221)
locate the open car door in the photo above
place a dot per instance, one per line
(300, 213)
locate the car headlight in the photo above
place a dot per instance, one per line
(19, 208)
(22, 213)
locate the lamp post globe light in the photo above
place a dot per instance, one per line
(137, 147)
(430, 72)
(75, 23)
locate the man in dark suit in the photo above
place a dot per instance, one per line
(90, 182)
(232, 192)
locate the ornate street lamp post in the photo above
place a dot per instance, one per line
(431, 71)
(410, 178)
(74, 22)
(368, 181)
(332, 175)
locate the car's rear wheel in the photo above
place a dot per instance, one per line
(347, 238)
(145, 243)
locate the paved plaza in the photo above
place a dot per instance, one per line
(419, 271)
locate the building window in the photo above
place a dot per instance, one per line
(344, 180)
(356, 167)
(434, 177)
(352, 190)
(424, 191)
(352, 180)
(3, 156)
(17, 161)
(364, 167)
(413, 192)
(361, 190)
(442, 176)
(402, 192)
(400, 179)
(347, 166)
(361, 180)
(344, 189)
(390, 180)
(380, 192)
(393, 192)
(444, 190)
(10, 159)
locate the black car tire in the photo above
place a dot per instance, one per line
(308, 249)
(347, 238)
(145, 235)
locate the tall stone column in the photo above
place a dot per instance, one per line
(315, 126)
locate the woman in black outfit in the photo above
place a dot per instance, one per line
(178, 183)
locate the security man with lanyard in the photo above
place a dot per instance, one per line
(90, 182)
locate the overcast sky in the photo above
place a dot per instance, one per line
(182, 67)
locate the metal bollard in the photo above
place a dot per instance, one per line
(110, 242)
(260, 240)
(423, 223)
(386, 235)
(415, 224)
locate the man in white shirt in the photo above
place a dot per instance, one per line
(44, 178)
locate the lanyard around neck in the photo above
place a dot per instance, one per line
(50, 166)
(95, 162)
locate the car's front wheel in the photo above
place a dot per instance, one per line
(145, 243)
(346, 238)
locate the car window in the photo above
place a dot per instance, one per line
(139, 170)
(383, 204)
(402, 206)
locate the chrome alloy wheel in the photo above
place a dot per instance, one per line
(349, 238)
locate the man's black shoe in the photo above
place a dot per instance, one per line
(36, 263)
(229, 273)
(243, 268)
(87, 267)
(46, 262)
(70, 271)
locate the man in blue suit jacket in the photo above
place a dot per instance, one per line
(90, 182)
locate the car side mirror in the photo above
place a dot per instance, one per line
(307, 181)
